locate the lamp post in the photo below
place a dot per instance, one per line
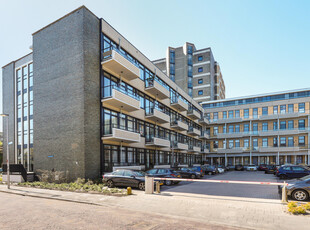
(7, 150)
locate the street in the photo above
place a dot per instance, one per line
(233, 190)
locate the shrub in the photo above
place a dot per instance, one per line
(306, 206)
(292, 204)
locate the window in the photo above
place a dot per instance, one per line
(282, 124)
(200, 69)
(282, 141)
(231, 144)
(237, 128)
(231, 129)
(265, 142)
(246, 113)
(301, 107)
(215, 116)
(275, 109)
(255, 112)
(265, 126)
(290, 141)
(255, 127)
(190, 59)
(246, 127)
(215, 130)
(265, 110)
(190, 92)
(275, 142)
(225, 115)
(224, 129)
(200, 81)
(237, 143)
(172, 56)
(237, 113)
(301, 140)
(290, 124)
(215, 144)
(282, 109)
(172, 70)
(230, 114)
(190, 71)
(246, 143)
(291, 108)
(275, 125)
(301, 124)
(200, 92)
(200, 58)
(255, 142)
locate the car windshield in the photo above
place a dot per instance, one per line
(139, 173)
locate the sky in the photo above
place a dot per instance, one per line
(261, 45)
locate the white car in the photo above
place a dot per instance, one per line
(251, 168)
(221, 170)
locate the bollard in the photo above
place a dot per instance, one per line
(149, 185)
(157, 187)
(284, 194)
(129, 192)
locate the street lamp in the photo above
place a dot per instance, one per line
(7, 150)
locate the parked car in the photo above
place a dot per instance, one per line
(125, 178)
(198, 169)
(1, 170)
(295, 171)
(223, 167)
(239, 168)
(164, 173)
(188, 173)
(270, 169)
(262, 167)
(251, 168)
(210, 170)
(220, 170)
(298, 189)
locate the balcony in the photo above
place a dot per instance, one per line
(231, 135)
(278, 149)
(226, 120)
(178, 146)
(230, 150)
(193, 131)
(192, 113)
(204, 135)
(179, 125)
(121, 99)
(203, 121)
(157, 116)
(157, 141)
(194, 149)
(156, 89)
(178, 104)
(118, 64)
(121, 134)
(283, 132)
(283, 115)
(205, 149)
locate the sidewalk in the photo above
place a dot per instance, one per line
(228, 211)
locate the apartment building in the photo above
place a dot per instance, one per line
(195, 71)
(85, 100)
(261, 129)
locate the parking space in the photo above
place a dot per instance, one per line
(235, 190)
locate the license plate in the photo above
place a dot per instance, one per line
(179, 176)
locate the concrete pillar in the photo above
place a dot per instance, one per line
(278, 158)
(267, 162)
(242, 160)
(226, 159)
(285, 159)
(211, 160)
(295, 159)
(234, 161)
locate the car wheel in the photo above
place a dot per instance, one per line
(110, 184)
(210, 173)
(300, 195)
(282, 177)
(168, 182)
(193, 176)
(141, 185)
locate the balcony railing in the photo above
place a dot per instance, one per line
(155, 88)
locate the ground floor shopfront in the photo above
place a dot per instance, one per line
(113, 156)
(272, 159)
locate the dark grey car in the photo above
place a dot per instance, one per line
(299, 189)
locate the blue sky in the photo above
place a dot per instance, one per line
(262, 46)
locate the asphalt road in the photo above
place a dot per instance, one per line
(235, 190)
